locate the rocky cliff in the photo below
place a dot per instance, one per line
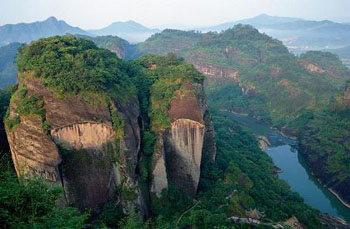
(89, 141)
(184, 133)
(184, 140)
(218, 73)
(78, 150)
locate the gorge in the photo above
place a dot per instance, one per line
(294, 169)
(138, 134)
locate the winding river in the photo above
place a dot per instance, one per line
(294, 169)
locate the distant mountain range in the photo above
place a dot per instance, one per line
(262, 20)
(26, 32)
(129, 30)
(297, 34)
(343, 53)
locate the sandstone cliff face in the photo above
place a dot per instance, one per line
(312, 67)
(221, 74)
(93, 149)
(160, 178)
(33, 152)
(218, 73)
(183, 144)
(180, 148)
(80, 152)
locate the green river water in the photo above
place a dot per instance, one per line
(295, 171)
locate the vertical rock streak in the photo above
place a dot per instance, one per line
(83, 135)
(184, 146)
(187, 139)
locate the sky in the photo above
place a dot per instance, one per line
(95, 14)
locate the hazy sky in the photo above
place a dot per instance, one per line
(91, 14)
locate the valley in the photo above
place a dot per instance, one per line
(165, 131)
(294, 169)
(257, 75)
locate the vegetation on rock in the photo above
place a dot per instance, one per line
(165, 75)
(71, 66)
(276, 86)
(270, 76)
(242, 177)
(33, 203)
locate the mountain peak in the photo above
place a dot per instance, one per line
(127, 23)
(130, 30)
(26, 32)
(263, 15)
(52, 18)
(132, 22)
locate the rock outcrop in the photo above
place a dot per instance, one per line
(77, 154)
(218, 73)
(313, 68)
(263, 142)
(33, 152)
(83, 129)
(180, 147)
(183, 147)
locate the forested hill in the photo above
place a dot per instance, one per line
(270, 76)
(246, 72)
(304, 96)
(115, 44)
(135, 105)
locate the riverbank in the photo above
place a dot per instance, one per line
(287, 133)
(294, 167)
(305, 155)
(339, 198)
(333, 222)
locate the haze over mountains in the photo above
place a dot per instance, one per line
(26, 32)
(297, 34)
(129, 30)
(125, 127)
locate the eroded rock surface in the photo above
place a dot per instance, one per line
(179, 150)
(83, 135)
(80, 153)
(312, 67)
(160, 179)
(218, 73)
(33, 152)
(183, 146)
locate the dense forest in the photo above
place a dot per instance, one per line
(241, 179)
(300, 95)
(271, 76)
(113, 43)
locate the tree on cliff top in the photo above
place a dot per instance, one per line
(71, 66)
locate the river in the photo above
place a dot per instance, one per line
(294, 169)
